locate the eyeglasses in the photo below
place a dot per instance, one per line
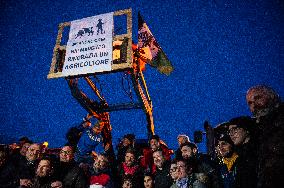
(221, 144)
(66, 152)
(233, 131)
(180, 166)
(173, 169)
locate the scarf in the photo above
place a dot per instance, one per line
(129, 169)
(229, 162)
(182, 183)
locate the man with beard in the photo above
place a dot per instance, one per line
(101, 173)
(200, 163)
(28, 165)
(127, 142)
(131, 168)
(44, 174)
(162, 178)
(187, 179)
(182, 138)
(266, 106)
(68, 172)
(156, 144)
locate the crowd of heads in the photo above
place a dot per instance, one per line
(29, 164)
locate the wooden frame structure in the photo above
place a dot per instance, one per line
(100, 109)
(60, 49)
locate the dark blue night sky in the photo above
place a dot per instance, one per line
(218, 49)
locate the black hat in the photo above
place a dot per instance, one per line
(226, 138)
(244, 122)
(221, 129)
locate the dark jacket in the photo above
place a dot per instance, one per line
(227, 177)
(135, 172)
(27, 169)
(44, 182)
(163, 178)
(203, 164)
(271, 149)
(246, 165)
(8, 176)
(178, 154)
(71, 175)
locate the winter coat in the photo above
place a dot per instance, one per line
(163, 178)
(147, 161)
(8, 176)
(71, 175)
(203, 164)
(193, 181)
(44, 182)
(27, 169)
(271, 149)
(246, 165)
(134, 171)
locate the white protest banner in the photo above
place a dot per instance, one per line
(89, 47)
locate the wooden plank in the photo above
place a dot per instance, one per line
(114, 67)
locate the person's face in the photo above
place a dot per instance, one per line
(148, 182)
(43, 168)
(174, 171)
(154, 144)
(33, 152)
(24, 149)
(100, 163)
(97, 129)
(127, 184)
(182, 140)
(129, 159)
(126, 142)
(186, 152)
(87, 124)
(158, 159)
(258, 101)
(66, 154)
(181, 169)
(238, 135)
(224, 148)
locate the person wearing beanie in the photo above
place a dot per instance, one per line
(241, 131)
(227, 160)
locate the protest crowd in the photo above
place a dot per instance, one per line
(249, 153)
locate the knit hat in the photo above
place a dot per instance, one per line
(245, 122)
